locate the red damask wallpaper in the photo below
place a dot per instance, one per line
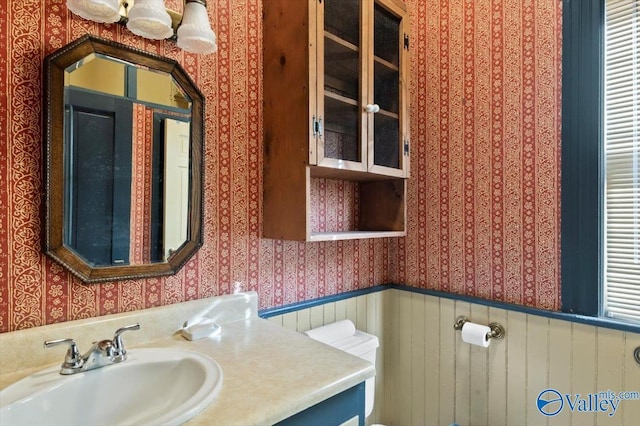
(483, 197)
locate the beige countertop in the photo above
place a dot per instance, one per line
(269, 373)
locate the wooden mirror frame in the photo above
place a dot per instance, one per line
(55, 65)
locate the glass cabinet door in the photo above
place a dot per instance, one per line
(340, 141)
(388, 151)
(360, 124)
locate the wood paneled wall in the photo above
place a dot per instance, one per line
(426, 375)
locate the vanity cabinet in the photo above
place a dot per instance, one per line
(336, 116)
(345, 408)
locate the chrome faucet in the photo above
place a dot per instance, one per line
(101, 354)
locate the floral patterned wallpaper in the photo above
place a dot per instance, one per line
(484, 197)
(483, 201)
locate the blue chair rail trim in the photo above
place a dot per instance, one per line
(281, 310)
(582, 319)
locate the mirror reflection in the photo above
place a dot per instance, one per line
(127, 165)
(123, 145)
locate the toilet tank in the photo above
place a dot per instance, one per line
(344, 336)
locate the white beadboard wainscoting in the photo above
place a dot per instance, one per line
(426, 375)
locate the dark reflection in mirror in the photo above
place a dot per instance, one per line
(124, 147)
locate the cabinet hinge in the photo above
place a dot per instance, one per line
(406, 147)
(406, 41)
(317, 127)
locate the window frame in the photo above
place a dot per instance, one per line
(582, 180)
(583, 156)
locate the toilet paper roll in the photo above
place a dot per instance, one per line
(332, 332)
(475, 334)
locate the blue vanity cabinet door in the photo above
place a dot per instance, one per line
(332, 411)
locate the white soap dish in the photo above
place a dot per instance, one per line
(203, 327)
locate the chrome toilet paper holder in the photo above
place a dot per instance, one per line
(497, 330)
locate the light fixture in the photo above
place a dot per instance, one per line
(151, 19)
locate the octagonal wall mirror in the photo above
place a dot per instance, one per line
(123, 161)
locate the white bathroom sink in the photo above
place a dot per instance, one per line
(158, 386)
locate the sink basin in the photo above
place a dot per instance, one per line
(153, 386)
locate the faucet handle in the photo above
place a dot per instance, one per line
(118, 345)
(73, 361)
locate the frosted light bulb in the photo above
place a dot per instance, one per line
(195, 34)
(106, 11)
(149, 18)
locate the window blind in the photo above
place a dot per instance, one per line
(622, 164)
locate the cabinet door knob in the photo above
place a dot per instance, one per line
(372, 108)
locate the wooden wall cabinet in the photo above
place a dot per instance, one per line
(335, 108)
